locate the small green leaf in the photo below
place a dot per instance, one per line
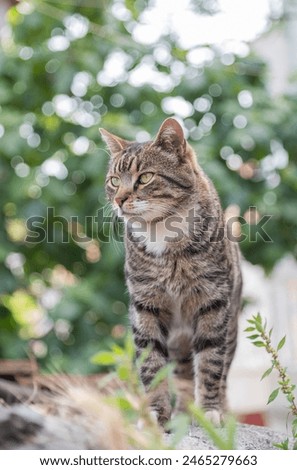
(123, 403)
(118, 350)
(283, 445)
(259, 344)
(230, 426)
(253, 336)
(259, 327)
(281, 343)
(104, 358)
(258, 323)
(249, 328)
(286, 444)
(273, 395)
(267, 372)
(290, 398)
(270, 332)
(124, 372)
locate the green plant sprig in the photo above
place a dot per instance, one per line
(261, 338)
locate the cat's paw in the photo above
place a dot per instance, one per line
(215, 417)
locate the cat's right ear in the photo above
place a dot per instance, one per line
(171, 136)
(114, 143)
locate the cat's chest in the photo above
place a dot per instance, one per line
(157, 238)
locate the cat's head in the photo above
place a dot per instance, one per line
(152, 180)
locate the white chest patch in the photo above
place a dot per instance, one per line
(157, 237)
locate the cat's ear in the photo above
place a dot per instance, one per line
(170, 135)
(114, 143)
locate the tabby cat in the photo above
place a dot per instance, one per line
(182, 271)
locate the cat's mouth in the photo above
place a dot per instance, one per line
(132, 208)
(143, 211)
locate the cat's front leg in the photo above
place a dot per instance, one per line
(209, 361)
(208, 366)
(147, 335)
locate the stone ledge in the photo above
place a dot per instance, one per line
(248, 437)
(21, 427)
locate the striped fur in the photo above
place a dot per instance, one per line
(182, 272)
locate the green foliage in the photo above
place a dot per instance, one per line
(122, 360)
(65, 69)
(129, 398)
(283, 445)
(285, 383)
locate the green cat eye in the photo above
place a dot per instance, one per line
(145, 178)
(115, 181)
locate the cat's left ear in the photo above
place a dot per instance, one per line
(114, 143)
(171, 136)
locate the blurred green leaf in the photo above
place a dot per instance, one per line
(259, 344)
(163, 374)
(253, 336)
(250, 328)
(273, 395)
(281, 343)
(104, 358)
(267, 372)
(283, 445)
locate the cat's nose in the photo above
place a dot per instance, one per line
(120, 200)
